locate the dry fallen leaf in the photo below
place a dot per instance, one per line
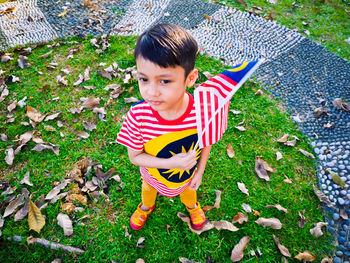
(83, 134)
(230, 151)
(262, 167)
(23, 212)
(217, 202)
(322, 197)
(131, 100)
(301, 219)
(187, 220)
(91, 103)
(25, 180)
(222, 224)
(343, 214)
(52, 116)
(247, 208)
(237, 251)
(240, 218)
(307, 154)
(340, 104)
(306, 255)
(36, 220)
(14, 204)
(284, 138)
(317, 230)
(139, 242)
(10, 155)
(278, 206)
(54, 192)
(65, 222)
(284, 251)
(274, 223)
(278, 156)
(34, 115)
(241, 186)
(68, 208)
(327, 260)
(287, 180)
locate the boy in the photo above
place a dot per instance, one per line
(160, 131)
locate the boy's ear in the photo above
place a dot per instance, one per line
(191, 78)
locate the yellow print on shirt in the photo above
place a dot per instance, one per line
(166, 146)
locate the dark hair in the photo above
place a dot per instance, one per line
(168, 45)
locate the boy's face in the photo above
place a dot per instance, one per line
(163, 88)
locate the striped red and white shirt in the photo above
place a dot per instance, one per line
(144, 129)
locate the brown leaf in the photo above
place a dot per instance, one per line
(4, 94)
(139, 242)
(283, 139)
(55, 191)
(131, 100)
(259, 92)
(89, 126)
(230, 151)
(34, 115)
(25, 180)
(284, 251)
(317, 230)
(278, 156)
(237, 251)
(105, 74)
(241, 186)
(23, 212)
(217, 202)
(10, 155)
(13, 205)
(87, 73)
(287, 180)
(307, 154)
(12, 106)
(68, 208)
(61, 80)
(46, 54)
(65, 222)
(187, 220)
(21, 61)
(340, 104)
(240, 218)
(223, 224)
(40, 147)
(186, 260)
(79, 81)
(240, 128)
(327, 260)
(319, 112)
(343, 214)
(322, 197)
(3, 137)
(301, 219)
(278, 206)
(235, 112)
(36, 220)
(52, 116)
(247, 208)
(83, 134)
(91, 103)
(79, 198)
(274, 223)
(262, 167)
(306, 255)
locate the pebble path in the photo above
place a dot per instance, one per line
(301, 73)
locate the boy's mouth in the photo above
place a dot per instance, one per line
(155, 102)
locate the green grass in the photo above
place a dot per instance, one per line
(327, 21)
(102, 235)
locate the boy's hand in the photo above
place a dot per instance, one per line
(183, 161)
(196, 180)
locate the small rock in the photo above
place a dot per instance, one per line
(339, 253)
(342, 248)
(342, 233)
(341, 201)
(336, 260)
(335, 216)
(341, 240)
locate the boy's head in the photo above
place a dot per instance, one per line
(168, 45)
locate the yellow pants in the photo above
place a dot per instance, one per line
(149, 195)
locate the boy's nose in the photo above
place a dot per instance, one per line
(153, 90)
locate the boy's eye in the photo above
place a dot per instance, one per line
(165, 81)
(142, 79)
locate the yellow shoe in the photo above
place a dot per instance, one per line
(139, 217)
(197, 217)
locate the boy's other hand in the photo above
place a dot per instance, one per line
(183, 161)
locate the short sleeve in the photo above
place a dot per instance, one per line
(130, 135)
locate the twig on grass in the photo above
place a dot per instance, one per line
(48, 244)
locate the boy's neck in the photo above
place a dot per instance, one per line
(178, 111)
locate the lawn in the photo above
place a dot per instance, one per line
(101, 224)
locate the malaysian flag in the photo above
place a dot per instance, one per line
(212, 101)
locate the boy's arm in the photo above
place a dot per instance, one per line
(197, 177)
(184, 161)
